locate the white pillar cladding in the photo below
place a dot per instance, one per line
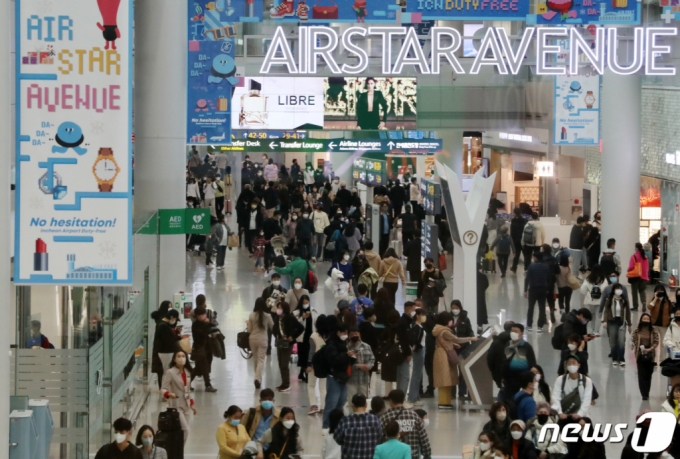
(621, 145)
(6, 289)
(160, 125)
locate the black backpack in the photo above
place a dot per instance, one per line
(320, 364)
(595, 292)
(557, 338)
(608, 264)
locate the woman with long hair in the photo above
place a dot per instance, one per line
(231, 434)
(286, 330)
(563, 288)
(638, 275)
(324, 328)
(353, 236)
(660, 308)
(307, 316)
(284, 438)
(499, 422)
(177, 389)
(382, 305)
(645, 340)
(146, 438)
(616, 316)
(260, 324)
(541, 386)
(592, 290)
(391, 270)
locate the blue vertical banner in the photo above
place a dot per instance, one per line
(211, 71)
(73, 199)
(577, 110)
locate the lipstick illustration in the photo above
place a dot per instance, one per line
(40, 261)
(563, 134)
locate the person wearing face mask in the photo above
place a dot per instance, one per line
(323, 329)
(260, 244)
(201, 330)
(671, 339)
(616, 318)
(251, 222)
(574, 345)
(321, 222)
(412, 253)
(417, 336)
(304, 233)
(576, 245)
(445, 373)
(361, 302)
(345, 267)
(572, 392)
(485, 442)
(120, 448)
(362, 362)
(276, 284)
(638, 275)
(660, 309)
(289, 226)
(338, 358)
(521, 447)
(307, 316)
(545, 448)
(431, 286)
(519, 357)
(260, 325)
(145, 442)
(391, 271)
(309, 176)
(353, 237)
(422, 414)
(541, 388)
(284, 439)
(297, 269)
(286, 330)
(645, 340)
(165, 344)
(504, 245)
(462, 328)
(406, 342)
(499, 423)
(231, 434)
(592, 289)
(257, 420)
(176, 389)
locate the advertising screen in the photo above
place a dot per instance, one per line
(278, 103)
(370, 103)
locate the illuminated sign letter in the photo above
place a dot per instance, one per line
(386, 34)
(515, 59)
(577, 44)
(279, 43)
(652, 50)
(489, 43)
(411, 44)
(612, 51)
(322, 51)
(542, 49)
(447, 51)
(352, 48)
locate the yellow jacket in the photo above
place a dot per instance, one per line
(395, 273)
(231, 440)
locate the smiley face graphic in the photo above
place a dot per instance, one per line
(69, 136)
(223, 68)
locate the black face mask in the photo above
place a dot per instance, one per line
(677, 319)
(659, 294)
(542, 418)
(354, 339)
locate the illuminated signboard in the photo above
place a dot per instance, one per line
(370, 172)
(431, 192)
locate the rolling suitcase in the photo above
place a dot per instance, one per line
(172, 442)
(227, 207)
(397, 246)
(489, 265)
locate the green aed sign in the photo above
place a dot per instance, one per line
(184, 221)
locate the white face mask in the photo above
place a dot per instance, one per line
(180, 361)
(413, 313)
(618, 292)
(572, 347)
(556, 245)
(147, 441)
(305, 306)
(516, 435)
(276, 283)
(455, 312)
(484, 445)
(305, 215)
(294, 217)
(572, 369)
(298, 286)
(501, 415)
(514, 336)
(537, 378)
(426, 423)
(120, 437)
(346, 257)
(288, 424)
(279, 312)
(343, 337)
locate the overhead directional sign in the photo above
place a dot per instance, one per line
(335, 145)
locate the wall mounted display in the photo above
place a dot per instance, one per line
(325, 11)
(211, 71)
(577, 110)
(348, 103)
(278, 103)
(480, 10)
(372, 172)
(73, 222)
(431, 192)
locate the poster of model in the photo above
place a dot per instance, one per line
(325, 11)
(211, 71)
(73, 221)
(278, 103)
(577, 110)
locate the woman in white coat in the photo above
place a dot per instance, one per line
(177, 389)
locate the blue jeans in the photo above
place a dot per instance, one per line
(336, 396)
(417, 376)
(403, 376)
(617, 338)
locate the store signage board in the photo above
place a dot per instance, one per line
(372, 172)
(431, 192)
(577, 110)
(317, 44)
(335, 145)
(73, 222)
(184, 221)
(247, 134)
(211, 71)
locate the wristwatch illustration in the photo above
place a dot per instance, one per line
(105, 169)
(590, 99)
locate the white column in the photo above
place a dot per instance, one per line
(6, 290)
(160, 124)
(621, 143)
(452, 142)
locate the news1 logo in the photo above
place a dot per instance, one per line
(659, 433)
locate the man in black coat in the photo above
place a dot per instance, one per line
(409, 224)
(271, 198)
(337, 356)
(517, 225)
(402, 331)
(495, 358)
(271, 228)
(412, 252)
(343, 197)
(242, 206)
(201, 352)
(385, 227)
(295, 171)
(304, 232)
(397, 197)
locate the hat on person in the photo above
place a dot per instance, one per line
(343, 304)
(573, 356)
(518, 423)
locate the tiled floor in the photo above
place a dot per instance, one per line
(232, 293)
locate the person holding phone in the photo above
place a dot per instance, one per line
(283, 439)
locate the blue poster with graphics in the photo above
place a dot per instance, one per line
(211, 71)
(325, 11)
(480, 10)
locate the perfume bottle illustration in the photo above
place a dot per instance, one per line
(253, 107)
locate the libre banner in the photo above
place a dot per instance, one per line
(73, 220)
(325, 11)
(577, 110)
(211, 72)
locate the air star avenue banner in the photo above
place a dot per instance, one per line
(73, 220)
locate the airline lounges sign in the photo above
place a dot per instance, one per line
(73, 134)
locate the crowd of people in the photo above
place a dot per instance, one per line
(291, 219)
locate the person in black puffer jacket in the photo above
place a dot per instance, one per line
(462, 328)
(338, 359)
(495, 358)
(409, 224)
(517, 225)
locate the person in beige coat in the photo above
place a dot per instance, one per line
(391, 270)
(176, 389)
(445, 374)
(260, 324)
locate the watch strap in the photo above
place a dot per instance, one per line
(106, 187)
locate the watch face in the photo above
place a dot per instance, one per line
(590, 99)
(105, 169)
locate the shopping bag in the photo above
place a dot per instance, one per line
(185, 344)
(233, 241)
(442, 262)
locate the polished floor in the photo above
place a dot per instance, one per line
(232, 293)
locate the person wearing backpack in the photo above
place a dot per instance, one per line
(610, 262)
(519, 357)
(430, 283)
(533, 236)
(592, 289)
(525, 405)
(504, 245)
(572, 392)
